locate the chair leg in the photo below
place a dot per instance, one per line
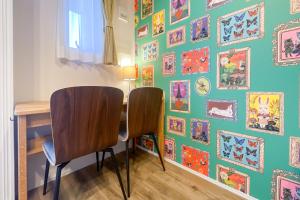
(127, 168)
(57, 181)
(102, 161)
(156, 146)
(117, 171)
(46, 176)
(97, 160)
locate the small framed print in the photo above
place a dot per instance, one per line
(179, 10)
(285, 185)
(195, 61)
(286, 47)
(148, 76)
(150, 51)
(265, 112)
(295, 6)
(222, 109)
(180, 96)
(169, 64)
(202, 86)
(147, 8)
(158, 23)
(200, 29)
(200, 131)
(176, 37)
(143, 31)
(145, 142)
(170, 148)
(176, 125)
(211, 4)
(240, 26)
(294, 152)
(233, 69)
(233, 178)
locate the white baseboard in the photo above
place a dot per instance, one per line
(213, 181)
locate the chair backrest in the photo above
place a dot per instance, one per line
(143, 111)
(84, 120)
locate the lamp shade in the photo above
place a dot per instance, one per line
(129, 73)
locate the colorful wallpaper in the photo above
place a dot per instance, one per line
(230, 72)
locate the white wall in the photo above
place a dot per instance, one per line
(37, 73)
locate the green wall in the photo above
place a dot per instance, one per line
(265, 77)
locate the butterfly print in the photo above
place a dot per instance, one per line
(226, 22)
(251, 162)
(238, 157)
(227, 147)
(252, 12)
(239, 26)
(240, 18)
(226, 38)
(250, 22)
(252, 144)
(226, 154)
(252, 32)
(228, 30)
(239, 149)
(239, 141)
(226, 138)
(238, 34)
(251, 152)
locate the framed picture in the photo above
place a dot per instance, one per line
(150, 51)
(200, 29)
(286, 46)
(169, 64)
(285, 185)
(195, 61)
(179, 10)
(202, 86)
(148, 76)
(295, 6)
(264, 112)
(211, 4)
(158, 23)
(240, 149)
(200, 131)
(180, 96)
(294, 158)
(147, 8)
(170, 148)
(195, 159)
(233, 178)
(176, 37)
(145, 142)
(176, 125)
(143, 31)
(222, 109)
(243, 25)
(233, 69)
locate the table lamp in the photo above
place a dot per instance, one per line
(130, 73)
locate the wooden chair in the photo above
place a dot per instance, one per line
(84, 120)
(143, 111)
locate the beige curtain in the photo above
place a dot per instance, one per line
(110, 52)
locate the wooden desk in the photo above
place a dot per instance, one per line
(37, 114)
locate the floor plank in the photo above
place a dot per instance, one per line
(148, 182)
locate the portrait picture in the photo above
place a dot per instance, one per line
(180, 96)
(233, 178)
(148, 76)
(176, 125)
(150, 51)
(169, 64)
(179, 10)
(200, 131)
(176, 37)
(200, 29)
(147, 7)
(265, 112)
(286, 43)
(294, 157)
(158, 23)
(195, 61)
(233, 69)
(170, 148)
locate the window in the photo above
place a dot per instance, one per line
(80, 31)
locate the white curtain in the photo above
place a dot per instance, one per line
(80, 32)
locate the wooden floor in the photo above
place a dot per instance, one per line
(148, 182)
